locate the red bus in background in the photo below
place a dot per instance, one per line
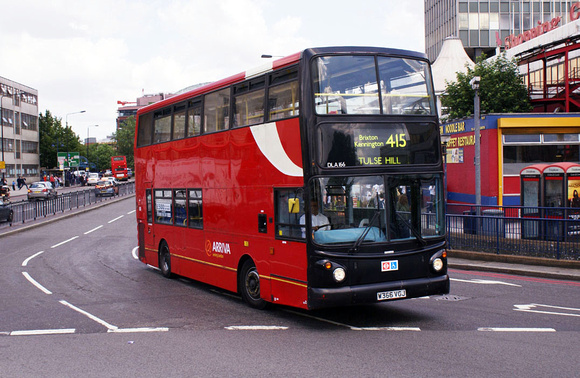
(119, 167)
(316, 181)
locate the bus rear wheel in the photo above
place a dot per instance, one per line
(165, 260)
(249, 285)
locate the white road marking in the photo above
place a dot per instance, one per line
(414, 329)
(39, 286)
(25, 262)
(112, 220)
(94, 229)
(43, 332)
(64, 242)
(113, 328)
(143, 329)
(134, 253)
(529, 307)
(485, 282)
(508, 329)
(90, 316)
(353, 328)
(131, 212)
(256, 328)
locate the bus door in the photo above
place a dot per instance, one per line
(288, 253)
(146, 234)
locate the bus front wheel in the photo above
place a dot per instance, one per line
(250, 285)
(165, 260)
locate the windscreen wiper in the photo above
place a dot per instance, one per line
(415, 233)
(362, 236)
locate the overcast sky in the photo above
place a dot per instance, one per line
(88, 54)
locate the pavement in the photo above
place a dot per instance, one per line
(461, 260)
(565, 270)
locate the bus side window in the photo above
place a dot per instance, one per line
(179, 122)
(163, 206)
(179, 204)
(216, 111)
(145, 130)
(195, 208)
(194, 118)
(162, 126)
(283, 101)
(149, 206)
(288, 218)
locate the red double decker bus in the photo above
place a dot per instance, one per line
(119, 167)
(316, 181)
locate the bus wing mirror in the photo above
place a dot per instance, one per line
(293, 205)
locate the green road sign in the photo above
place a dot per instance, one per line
(68, 160)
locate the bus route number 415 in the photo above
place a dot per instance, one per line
(385, 295)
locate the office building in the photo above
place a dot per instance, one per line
(19, 131)
(485, 25)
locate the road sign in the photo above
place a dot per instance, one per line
(68, 159)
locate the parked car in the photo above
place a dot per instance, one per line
(6, 212)
(41, 190)
(93, 178)
(106, 188)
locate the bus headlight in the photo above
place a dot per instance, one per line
(437, 264)
(339, 274)
(438, 261)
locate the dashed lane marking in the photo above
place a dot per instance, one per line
(64, 242)
(512, 329)
(25, 262)
(35, 283)
(94, 229)
(115, 219)
(36, 332)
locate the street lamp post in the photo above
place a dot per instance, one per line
(475, 85)
(87, 143)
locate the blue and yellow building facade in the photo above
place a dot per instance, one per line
(509, 143)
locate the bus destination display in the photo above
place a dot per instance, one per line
(379, 145)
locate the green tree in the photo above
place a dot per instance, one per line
(100, 154)
(125, 138)
(501, 90)
(55, 138)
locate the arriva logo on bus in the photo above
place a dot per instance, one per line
(217, 249)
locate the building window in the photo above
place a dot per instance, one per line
(29, 147)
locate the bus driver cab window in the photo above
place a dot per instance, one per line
(289, 210)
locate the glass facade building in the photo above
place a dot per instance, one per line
(483, 25)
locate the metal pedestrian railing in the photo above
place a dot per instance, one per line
(515, 230)
(26, 211)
